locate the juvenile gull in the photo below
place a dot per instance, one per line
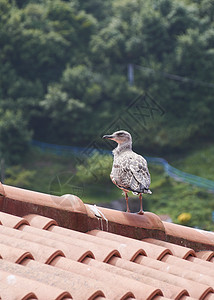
(129, 171)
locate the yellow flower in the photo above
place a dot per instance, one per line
(184, 217)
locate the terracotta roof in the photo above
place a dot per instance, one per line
(58, 248)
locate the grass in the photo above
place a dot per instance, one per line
(199, 162)
(60, 175)
(174, 198)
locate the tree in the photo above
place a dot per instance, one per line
(64, 65)
(14, 136)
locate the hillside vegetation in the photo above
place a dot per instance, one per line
(89, 179)
(63, 75)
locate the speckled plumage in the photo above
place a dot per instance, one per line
(129, 171)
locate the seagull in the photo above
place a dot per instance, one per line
(129, 171)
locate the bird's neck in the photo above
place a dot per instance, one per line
(122, 147)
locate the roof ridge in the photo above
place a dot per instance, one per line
(83, 217)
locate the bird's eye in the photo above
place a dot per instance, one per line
(120, 134)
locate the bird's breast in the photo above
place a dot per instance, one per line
(116, 166)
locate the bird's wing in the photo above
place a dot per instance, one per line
(139, 169)
(130, 172)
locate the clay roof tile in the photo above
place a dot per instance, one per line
(186, 298)
(72, 202)
(201, 262)
(175, 270)
(71, 249)
(188, 233)
(156, 251)
(13, 292)
(47, 248)
(127, 269)
(79, 285)
(12, 221)
(40, 221)
(205, 255)
(177, 250)
(140, 290)
(195, 289)
(128, 251)
(68, 244)
(25, 288)
(2, 192)
(207, 234)
(148, 220)
(209, 296)
(188, 265)
(41, 253)
(160, 298)
(12, 254)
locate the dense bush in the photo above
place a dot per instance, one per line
(95, 169)
(64, 67)
(14, 136)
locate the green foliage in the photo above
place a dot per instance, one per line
(89, 179)
(198, 162)
(175, 198)
(64, 65)
(95, 169)
(18, 176)
(14, 136)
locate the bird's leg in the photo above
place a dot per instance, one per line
(141, 212)
(127, 202)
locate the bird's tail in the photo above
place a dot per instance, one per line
(147, 191)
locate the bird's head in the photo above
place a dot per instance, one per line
(120, 137)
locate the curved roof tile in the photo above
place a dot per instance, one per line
(140, 290)
(12, 254)
(128, 270)
(128, 251)
(175, 270)
(194, 289)
(90, 284)
(188, 265)
(179, 251)
(65, 249)
(40, 221)
(156, 252)
(43, 254)
(206, 255)
(68, 244)
(12, 279)
(12, 221)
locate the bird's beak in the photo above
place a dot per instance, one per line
(108, 137)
